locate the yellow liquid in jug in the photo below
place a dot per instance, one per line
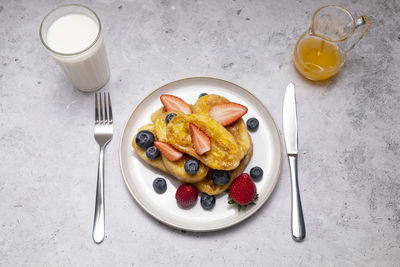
(317, 59)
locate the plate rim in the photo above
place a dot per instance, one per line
(209, 229)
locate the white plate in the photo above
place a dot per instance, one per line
(139, 176)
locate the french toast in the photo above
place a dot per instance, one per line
(175, 168)
(156, 163)
(157, 114)
(238, 129)
(239, 132)
(160, 124)
(207, 185)
(231, 147)
(224, 153)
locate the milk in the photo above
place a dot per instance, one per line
(72, 33)
(76, 42)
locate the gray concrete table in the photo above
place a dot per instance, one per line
(349, 130)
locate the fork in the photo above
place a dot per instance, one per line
(103, 132)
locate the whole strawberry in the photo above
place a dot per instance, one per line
(186, 195)
(243, 191)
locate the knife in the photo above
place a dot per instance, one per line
(290, 134)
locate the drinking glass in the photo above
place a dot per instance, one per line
(87, 69)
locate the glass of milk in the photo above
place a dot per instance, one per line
(73, 36)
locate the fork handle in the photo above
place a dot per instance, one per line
(298, 226)
(98, 224)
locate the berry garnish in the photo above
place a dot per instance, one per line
(168, 151)
(186, 195)
(207, 201)
(191, 166)
(200, 140)
(221, 177)
(243, 191)
(169, 117)
(174, 103)
(227, 113)
(256, 173)
(152, 152)
(144, 139)
(202, 94)
(159, 185)
(252, 124)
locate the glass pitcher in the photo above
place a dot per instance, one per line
(321, 51)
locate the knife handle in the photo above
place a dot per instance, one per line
(298, 227)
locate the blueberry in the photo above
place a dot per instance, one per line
(169, 117)
(252, 124)
(191, 166)
(202, 94)
(207, 201)
(256, 173)
(152, 152)
(144, 139)
(159, 185)
(221, 177)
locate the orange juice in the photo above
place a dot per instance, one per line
(317, 59)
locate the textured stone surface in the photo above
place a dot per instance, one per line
(349, 130)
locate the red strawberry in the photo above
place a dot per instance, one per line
(227, 113)
(243, 191)
(186, 195)
(200, 140)
(168, 151)
(174, 103)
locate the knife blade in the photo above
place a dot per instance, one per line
(290, 135)
(290, 120)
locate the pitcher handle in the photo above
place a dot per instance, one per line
(362, 25)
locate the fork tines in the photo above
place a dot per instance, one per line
(103, 110)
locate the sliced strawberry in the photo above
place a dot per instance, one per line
(168, 151)
(227, 113)
(174, 103)
(200, 140)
